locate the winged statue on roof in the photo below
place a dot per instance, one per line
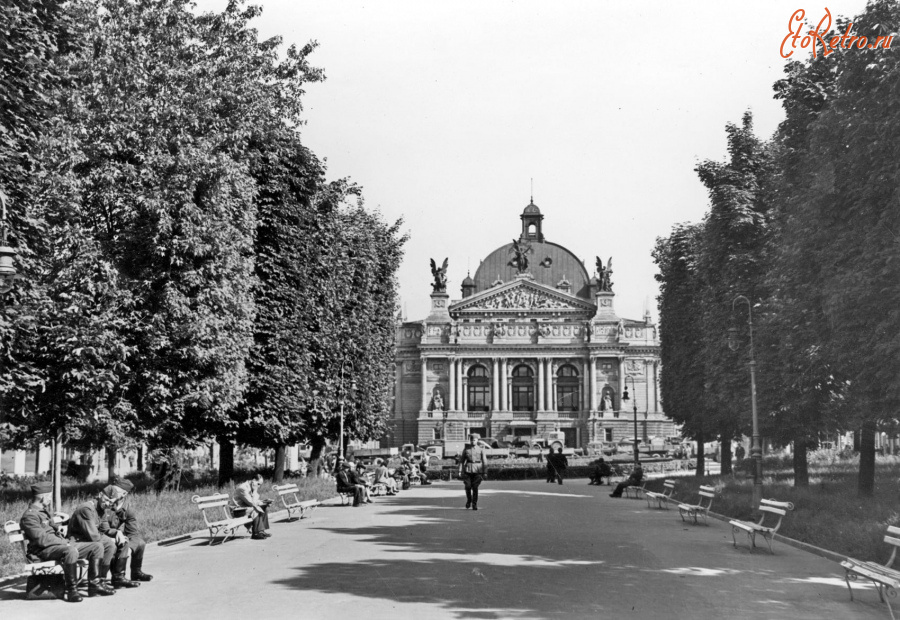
(519, 250)
(440, 276)
(604, 274)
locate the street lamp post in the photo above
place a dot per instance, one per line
(344, 363)
(625, 399)
(756, 444)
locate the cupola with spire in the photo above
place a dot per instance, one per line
(468, 285)
(531, 223)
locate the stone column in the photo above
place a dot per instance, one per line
(656, 386)
(593, 383)
(647, 386)
(451, 373)
(424, 384)
(495, 384)
(464, 394)
(540, 394)
(621, 376)
(551, 386)
(585, 403)
(504, 405)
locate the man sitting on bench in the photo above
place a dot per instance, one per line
(631, 481)
(117, 521)
(45, 543)
(601, 470)
(246, 495)
(344, 485)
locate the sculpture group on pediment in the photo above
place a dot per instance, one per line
(519, 299)
(604, 275)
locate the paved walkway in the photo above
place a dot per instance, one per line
(534, 550)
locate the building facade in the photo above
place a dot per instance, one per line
(534, 345)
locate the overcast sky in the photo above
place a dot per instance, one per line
(444, 111)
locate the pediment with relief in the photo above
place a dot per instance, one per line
(522, 297)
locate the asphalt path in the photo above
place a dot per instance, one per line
(532, 550)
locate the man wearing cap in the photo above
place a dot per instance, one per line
(116, 520)
(84, 526)
(46, 542)
(473, 469)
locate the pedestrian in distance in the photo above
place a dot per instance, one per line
(553, 466)
(473, 470)
(562, 464)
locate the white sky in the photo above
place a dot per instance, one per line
(444, 111)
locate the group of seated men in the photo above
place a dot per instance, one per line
(353, 477)
(102, 531)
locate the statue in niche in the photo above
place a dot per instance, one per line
(440, 276)
(620, 329)
(520, 256)
(606, 403)
(437, 401)
(604, 274)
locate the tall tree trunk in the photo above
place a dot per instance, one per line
(315, 457)
(37, 460)
(857, 442)
(111, 463)
(57, 472)
(866, 485)
(725, 453)
(140, 458)
(701, 458)
(279, 463)
(226, 461)
(801, 464)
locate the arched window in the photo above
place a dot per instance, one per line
(522, 388)
(479, 388)
(567, 389)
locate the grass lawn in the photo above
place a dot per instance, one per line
(171, 513)
(828, 513)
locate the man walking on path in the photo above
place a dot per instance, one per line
(473, 470)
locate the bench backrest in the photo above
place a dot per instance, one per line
(284, 489)
(894, 542)
(211, 502)
(775, 508)
(668, 488)
(16, 537)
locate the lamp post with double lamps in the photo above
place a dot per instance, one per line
(755, 444)
(344, 363)
(625, 399)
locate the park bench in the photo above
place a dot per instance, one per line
(225, 527)
(661, 499)
(701, 508)
(634, 491)
(882, 576)
(771, 510)
(289, 499)
(35, 567)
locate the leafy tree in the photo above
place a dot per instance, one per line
(681, 344)
(731, 261)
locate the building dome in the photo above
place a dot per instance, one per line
(468, 281)
(531, 209)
